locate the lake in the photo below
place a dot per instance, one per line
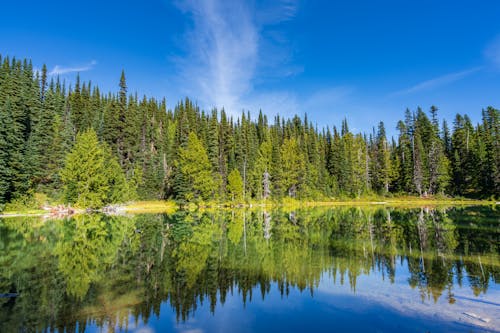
(373, 269)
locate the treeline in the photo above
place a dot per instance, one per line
(191, 155)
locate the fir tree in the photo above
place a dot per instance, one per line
(195, 169)
(293, 166)
(235, 185)
(91, 176)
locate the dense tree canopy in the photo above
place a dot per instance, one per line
(187, 153)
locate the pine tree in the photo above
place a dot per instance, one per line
(212, 140)
(235, 185)
(119, 189)
(6, 140)
(382, 170)
(266, 185)
(464, 167)
(418, 164)
(490, 132)
(446, 139)
(360, 182)
(262, 165)
(41, 133)
(91, 176)
(75, 101)
(15, 178)
(122, 116)
(438, 163)
(293, 166)
(276, 163)
(195, 170)
(404, 151)
(84, 173)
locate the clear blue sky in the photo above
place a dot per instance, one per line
(364, 60)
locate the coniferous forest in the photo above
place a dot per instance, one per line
(79, 145)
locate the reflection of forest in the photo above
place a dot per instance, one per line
(103, 269)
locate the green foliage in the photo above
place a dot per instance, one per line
(195, 170)
(91, 175)
(235, 185)
(293, 166)
(154, 149)
(29, 201)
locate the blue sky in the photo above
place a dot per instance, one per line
(364, 60)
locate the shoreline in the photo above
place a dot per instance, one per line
(157, 206)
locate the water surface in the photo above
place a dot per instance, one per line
(321, 270)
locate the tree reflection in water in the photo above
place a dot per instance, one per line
(102, 270)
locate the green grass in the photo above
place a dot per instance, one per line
(167, 206)
(290, 203)
(154, 206)
(22, 212)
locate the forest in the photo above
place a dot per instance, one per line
(79, 145)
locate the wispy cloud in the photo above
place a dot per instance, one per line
(60, 70)
(437, 82)
(328, 106)
(224, 49)
(284, 103)
(492, 52)
(273, 12)
(327, 98)
(324, 106)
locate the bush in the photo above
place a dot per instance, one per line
(28, 201)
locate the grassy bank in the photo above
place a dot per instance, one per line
(168, 206)
(154, 206)
(403, 201)
(23, 212)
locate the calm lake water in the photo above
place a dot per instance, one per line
(315, 270)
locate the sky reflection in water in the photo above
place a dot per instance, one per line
(322, 270)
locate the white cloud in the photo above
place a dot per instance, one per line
(59, 70)
(437, 82)
(222, 52)
(225, 49)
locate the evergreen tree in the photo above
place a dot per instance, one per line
(464, 167)
(418, 164)
(7, 137)
(490, 133)
(360, 181)
(293, 166)
(382, 162)
(404, 152)
(195, 169)
(235, 185)
(91, 176)
(262, 166)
